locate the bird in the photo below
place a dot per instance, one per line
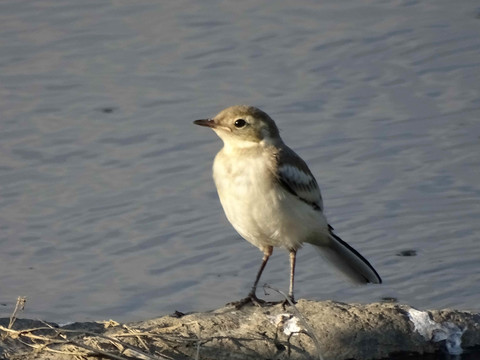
(271, 198)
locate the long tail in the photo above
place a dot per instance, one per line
(348, 260)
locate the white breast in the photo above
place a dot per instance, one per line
(259, 208)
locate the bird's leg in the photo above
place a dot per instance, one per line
(252, 297)
(293, 256)
(266, 256)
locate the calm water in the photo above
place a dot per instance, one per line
(107, 207)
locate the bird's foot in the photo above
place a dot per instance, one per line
(288, 302)
(250, 299)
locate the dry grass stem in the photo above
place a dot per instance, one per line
(42, 343)
(19, 306)
(135, 333)
(309, 330)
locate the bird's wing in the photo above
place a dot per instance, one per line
(294, 176)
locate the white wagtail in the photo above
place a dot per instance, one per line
(271, 198)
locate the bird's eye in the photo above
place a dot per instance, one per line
(240, 123)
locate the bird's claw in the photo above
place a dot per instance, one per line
(250, 299)
(254, 300)
(288, 302)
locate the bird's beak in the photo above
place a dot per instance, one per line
(205, 122)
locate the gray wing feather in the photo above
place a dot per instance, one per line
(295, 177)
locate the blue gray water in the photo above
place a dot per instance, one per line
(107, 207)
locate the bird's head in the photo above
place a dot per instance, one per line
(242, 126)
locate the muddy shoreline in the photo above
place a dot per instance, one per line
(311, 330)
